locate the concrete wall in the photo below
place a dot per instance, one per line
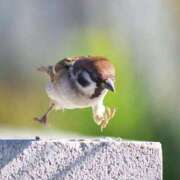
(85, 159)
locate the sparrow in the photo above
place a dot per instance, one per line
(80, 82)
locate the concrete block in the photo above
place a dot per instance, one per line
(80, 159)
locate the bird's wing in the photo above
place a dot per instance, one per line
(66, 62)
(54, 71)
(95, 63)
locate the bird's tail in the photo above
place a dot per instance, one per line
(47, 70)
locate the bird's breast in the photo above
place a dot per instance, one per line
(66, 96)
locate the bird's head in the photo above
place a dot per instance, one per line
(93, 75)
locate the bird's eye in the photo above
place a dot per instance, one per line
(83, 79)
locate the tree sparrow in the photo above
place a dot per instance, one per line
(80, 82)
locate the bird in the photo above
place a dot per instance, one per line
(80, 82)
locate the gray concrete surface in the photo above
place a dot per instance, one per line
(80, 159)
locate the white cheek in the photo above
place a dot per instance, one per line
(89, 90)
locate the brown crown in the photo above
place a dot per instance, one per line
(99, 67)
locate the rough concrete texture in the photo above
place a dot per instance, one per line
(87, 159)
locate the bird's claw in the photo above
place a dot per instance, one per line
(42, 120)
(103, 121)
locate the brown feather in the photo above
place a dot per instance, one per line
(100, 68)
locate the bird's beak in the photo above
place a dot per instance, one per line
(109, 84)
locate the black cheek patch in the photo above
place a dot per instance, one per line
(82, 81)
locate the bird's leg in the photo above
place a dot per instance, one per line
(43, 118)
(98, 113)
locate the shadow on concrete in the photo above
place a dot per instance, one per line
(60, 174)
(10, 149)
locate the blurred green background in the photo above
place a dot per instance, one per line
(141, 39)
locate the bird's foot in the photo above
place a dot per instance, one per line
(42, 119)
(103, 120)
(108, 115)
